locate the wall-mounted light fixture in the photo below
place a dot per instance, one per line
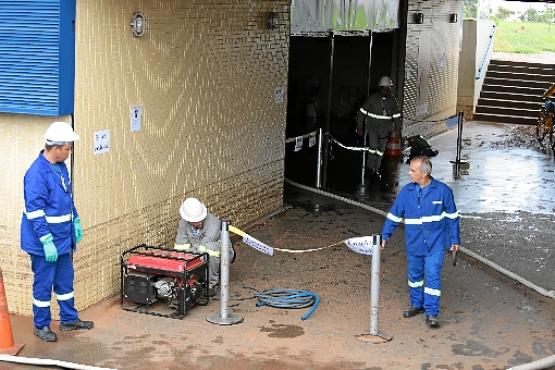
(453, 18)
(273, 20)
(418, 18)
(138, 24)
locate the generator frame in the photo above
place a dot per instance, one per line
(184, 305)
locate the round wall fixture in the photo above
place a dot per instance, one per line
(138, 23)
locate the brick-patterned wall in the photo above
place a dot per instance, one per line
(205, 73)
(443, 71)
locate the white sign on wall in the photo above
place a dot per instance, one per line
(312, 140)
(101, 142)
(136, 116)
(298, 143)
(279, 94)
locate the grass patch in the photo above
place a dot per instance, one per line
(524, 37)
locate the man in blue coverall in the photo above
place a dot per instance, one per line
(431, 228)
(50, 231)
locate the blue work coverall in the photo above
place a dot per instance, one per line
(431, 227)
(49, 209)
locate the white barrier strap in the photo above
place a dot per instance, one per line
(294, 139)
(356, 148)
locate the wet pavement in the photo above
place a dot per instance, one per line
(506, 195)
(488, 320)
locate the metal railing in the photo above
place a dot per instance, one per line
(480, 70)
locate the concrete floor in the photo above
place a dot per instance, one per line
(488, 321)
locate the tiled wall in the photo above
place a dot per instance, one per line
(440, 88)
(206, 74)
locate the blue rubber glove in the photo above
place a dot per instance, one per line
(50, 250)
(78, 229)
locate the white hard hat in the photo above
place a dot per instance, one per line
(59, 133)
(385, 81)
(192, 210)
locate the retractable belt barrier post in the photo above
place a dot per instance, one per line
(224, 318)
(319, 159)
(371, 246)
(459, 163)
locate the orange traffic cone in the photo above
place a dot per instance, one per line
(393, 146)
(7, 345)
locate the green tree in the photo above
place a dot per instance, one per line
(503, 13)
(530, 15)
(470, 9)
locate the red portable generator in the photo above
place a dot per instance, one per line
(163, 282)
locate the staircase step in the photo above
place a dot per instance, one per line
(514, 89)
(522, 69)
(505, 119)
(522, 76)
(508, 111)
(500, 95)
(509, 103)
(516, 82)
(514, 63)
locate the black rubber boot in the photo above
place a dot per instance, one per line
(45, 334)
(413, 311)
(432, 321)
(77, 325)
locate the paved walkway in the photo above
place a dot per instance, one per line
(488, 321)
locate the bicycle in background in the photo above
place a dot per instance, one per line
(544, 126)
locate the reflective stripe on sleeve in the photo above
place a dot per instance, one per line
(210, 252)
(396, 115)
(452, 216)
(430, 291)
(416, 284)
(182, 247)
(58, 219)
(35, 214)
(64, 297)
(41, 304)
(394, 218)
(372, 115)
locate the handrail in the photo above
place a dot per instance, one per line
(480, 70)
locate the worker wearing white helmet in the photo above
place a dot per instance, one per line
(200, 232)
(377, 118)
(50, 231)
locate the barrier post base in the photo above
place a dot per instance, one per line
(13, 350)
(229, 320)
(375, 339)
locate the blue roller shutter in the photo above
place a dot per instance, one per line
(37, 56)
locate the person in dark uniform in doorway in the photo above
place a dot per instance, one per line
(377, 118)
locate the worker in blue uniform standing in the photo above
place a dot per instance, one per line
(431, 228)
(50, 231)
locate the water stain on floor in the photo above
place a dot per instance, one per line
(474, 348)
(282, 331)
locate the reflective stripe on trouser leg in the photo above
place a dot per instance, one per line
(432, 286)
(63, 287)
(415, 275)
(44, 273)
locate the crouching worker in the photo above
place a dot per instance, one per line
(50, 231)
(200, 232)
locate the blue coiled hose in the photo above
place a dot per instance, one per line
(288, 298)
